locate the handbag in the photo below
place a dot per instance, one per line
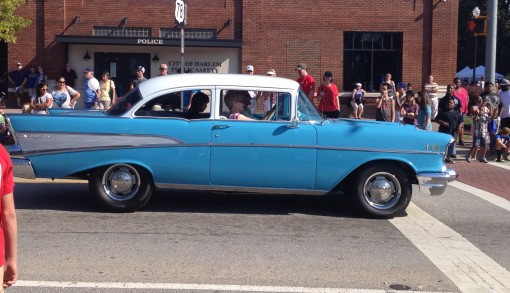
(111, 92)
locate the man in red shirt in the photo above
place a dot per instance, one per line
(306, 81)
(9, 230)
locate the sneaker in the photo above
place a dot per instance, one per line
(500, 161)
(449, 160)
(483, 160)
(453, 156)
(468, 159)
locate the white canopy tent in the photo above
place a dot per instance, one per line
(467, 73)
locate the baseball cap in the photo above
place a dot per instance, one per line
(140, 68)
(505, 82)
(18, 64)
(358, 84)
(410, 92)
(89, 69)
(271, 72)
(401, 85)
(301, 66)
(249, 68)
(163, 66)
(328, 73)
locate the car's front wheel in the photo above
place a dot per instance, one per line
(382, 190)
(121, 187)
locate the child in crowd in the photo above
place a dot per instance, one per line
(357, 101)
(501, 144)
(449, 122)
(480, 115)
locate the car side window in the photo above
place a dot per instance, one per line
(179, 105)
(255, 105)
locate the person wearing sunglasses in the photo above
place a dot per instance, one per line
(42, 100)
(163, 69)
(64, 96)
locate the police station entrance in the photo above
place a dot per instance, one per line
(121, 67)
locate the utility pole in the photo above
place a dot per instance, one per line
(490, 46)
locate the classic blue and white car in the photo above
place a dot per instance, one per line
(143, 143)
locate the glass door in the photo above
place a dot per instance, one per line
(121, 67)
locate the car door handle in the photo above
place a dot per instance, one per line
(221, 126)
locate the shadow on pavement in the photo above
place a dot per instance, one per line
(74, 197)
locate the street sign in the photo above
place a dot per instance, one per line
(180, 13)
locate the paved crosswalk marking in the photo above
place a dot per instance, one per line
(197, 287)
(492, 198)
(500, 165)
(462, 262)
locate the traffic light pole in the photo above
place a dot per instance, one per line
(474, 64)
(490, 47)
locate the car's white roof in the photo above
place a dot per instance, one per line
(216, 79)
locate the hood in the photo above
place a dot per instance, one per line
(379, 135)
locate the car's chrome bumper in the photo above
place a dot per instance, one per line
(22, 168)
(436, 181)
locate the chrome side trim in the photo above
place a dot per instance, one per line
(51, 143)
(436, 181)
(22, 168)
(349, 149)
(242, 189)
(37, 143)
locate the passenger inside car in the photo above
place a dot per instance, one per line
(199, 103)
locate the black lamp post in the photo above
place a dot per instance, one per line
(476, 14)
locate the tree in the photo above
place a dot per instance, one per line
(10, 23)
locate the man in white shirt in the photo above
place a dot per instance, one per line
(431, 88)
(504, 98)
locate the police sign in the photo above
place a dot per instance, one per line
(180, 13)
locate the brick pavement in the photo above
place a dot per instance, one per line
(492, 177)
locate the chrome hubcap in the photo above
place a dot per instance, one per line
(121, 182)
(382, 190)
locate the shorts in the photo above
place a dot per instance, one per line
(356, 106)
(479, 141)
(331, 114)
(493, 126)
(89, 105)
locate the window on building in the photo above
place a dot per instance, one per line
(116, 31)
(175, 33)
(368, 56)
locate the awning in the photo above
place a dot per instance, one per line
(70, 39)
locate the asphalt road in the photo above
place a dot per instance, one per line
(187, 241)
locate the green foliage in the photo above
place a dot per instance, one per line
(10, 23)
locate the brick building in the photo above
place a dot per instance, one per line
(358, 41)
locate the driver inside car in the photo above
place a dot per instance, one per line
(238, 102)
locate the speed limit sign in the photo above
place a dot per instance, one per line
(180, 13)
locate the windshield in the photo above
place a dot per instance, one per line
(123, 104)
(306, 110)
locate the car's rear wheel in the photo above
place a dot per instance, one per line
(121, 187)
(382, 190)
